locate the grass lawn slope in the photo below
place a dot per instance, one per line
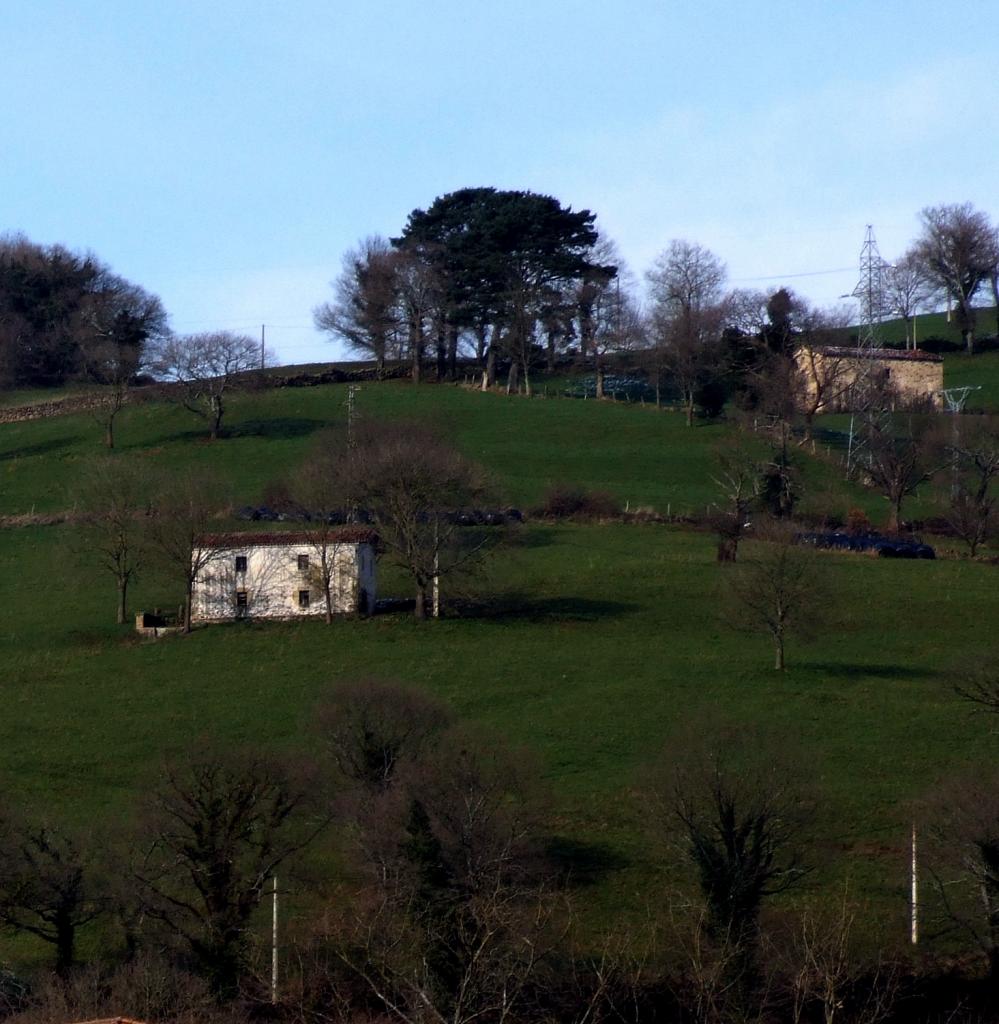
(597, 646)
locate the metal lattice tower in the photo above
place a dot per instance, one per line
(866, 397)
(870, 292)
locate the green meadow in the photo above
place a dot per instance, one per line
(593, 646)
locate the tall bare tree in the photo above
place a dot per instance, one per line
(115, 507)
(958, 251)
(453, 928)
(685, 286)
(899, 459)
(217, 828)
(179, 530)
(48, 886)
(973, 508)
(411, 482)
(907, 290)
(737, 810)
(205, 368)
(365, 309)
(737, 478)
(776, 590)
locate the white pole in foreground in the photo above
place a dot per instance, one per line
(914, 933)
(436, 601)
(274, 943)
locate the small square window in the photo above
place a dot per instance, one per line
(303, 563)
(241, 599)
(303, 599)
(241, 563)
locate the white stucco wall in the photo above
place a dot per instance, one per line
(273, 582)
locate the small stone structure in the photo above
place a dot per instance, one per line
(280, 575)
(912, 375)
(154, 625)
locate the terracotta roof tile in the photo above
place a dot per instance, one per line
(337, 535)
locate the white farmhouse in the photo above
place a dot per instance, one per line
(284, 575)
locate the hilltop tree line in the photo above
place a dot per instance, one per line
(505, 278)
(517, 278)
(452, 901)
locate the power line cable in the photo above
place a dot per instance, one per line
(805, 273)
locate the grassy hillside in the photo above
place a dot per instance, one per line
(602, 645)
(638, 454)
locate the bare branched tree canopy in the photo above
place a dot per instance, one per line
(218, 829)
(47, 886)
(963, 854)
(454, 926)
(204, 368)
(900, 458)
(367, 310)
(973, 506)
(737, 807)
(907, 290)
(115, 506)
(685, 287)
(411, 481)
(183, 515)
(958, 251)
(776, 590)
(376, 730)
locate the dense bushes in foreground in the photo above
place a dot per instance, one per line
(451, 902)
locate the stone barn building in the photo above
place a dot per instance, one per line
(281, 575)
(912, 375)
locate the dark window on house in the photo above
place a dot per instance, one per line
(240, 598)
(303, 598)
(241, 563)
(303, 563)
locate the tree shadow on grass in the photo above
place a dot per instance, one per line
(281, 428)
(856, 670)
(530, 537)
(42, 448)
(582, 864)
(524, 607)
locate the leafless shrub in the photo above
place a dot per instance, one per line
(823, 971)
(566, 501)
(408, 479)
(777, 589)
(962, 852)
(735, 812)
(458, 912)
(147, 989)
(376, 730)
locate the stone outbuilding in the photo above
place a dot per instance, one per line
(911, 375)
(283, 575)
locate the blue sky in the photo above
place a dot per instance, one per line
(225, 154)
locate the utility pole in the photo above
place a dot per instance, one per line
(436, 603)
(262, 337)
(914, 901)
(274, 943)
